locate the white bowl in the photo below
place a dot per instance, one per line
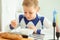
(23, 31)
(26, 31)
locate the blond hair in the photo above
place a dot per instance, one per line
(30, 3)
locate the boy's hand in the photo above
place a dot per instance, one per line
(33, 28)
(14, 23)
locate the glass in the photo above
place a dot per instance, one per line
(58, 26)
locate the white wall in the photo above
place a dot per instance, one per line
(47, 7)
(8, 11)
(0, 14)
(9, 8)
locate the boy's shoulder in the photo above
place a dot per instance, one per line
(40, 16)
(21, 15)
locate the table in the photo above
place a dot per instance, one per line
(12, 36)
(37, 36)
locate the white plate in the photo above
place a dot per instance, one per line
(23, 31)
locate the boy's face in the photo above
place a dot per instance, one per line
(29, 12)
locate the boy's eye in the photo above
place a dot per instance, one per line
(25, 12)
(30, 12)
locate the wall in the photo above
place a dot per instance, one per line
(8, 8)
(47, 7)
(0, 14)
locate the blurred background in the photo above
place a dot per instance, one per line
(9, 9)
(0, 14)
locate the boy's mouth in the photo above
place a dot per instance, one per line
(29, 18)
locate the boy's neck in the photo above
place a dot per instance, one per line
(34, 17)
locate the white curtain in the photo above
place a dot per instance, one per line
(9, 8)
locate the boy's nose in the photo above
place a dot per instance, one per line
(28, 15)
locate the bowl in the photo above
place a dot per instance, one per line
(26, 31)
(23, 31)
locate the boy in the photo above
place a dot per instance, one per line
(30, 18)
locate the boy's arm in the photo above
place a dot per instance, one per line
(13, 24)
(37, 31)
(48, 28)
(11, 27)
(47, 23)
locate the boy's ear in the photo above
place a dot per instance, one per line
(38, 8)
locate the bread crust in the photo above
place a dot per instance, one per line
(11, 36)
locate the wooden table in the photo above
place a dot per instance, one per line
(32, 37)
(6, 37)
